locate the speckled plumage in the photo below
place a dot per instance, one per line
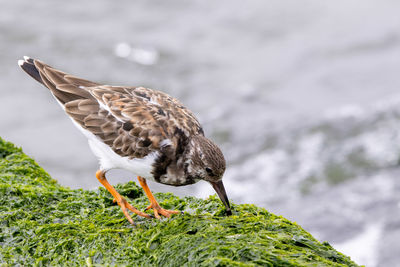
(136, 128)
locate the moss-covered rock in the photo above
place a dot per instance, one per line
(44, 223)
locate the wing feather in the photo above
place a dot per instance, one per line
(133, 121)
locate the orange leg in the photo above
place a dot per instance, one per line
(153, 202)
(100, 175)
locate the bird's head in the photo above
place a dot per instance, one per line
(206, 162)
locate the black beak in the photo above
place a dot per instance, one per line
(220, 189)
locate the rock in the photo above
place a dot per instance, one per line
(44, 223)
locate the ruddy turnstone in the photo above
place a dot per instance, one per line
(144, 131)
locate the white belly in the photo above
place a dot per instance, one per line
(111, 160)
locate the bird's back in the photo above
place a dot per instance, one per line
(132, 121)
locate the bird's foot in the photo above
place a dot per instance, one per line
(157, 209)
(125, 206)
(160, 211)
(153, 202)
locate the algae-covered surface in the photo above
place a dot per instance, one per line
(44, 223)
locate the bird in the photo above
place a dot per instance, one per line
(142, 130)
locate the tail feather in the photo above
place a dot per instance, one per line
(29, 67)
(64, 87)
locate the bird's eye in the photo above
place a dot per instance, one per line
(209, 171)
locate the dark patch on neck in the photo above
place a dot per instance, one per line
(160, 166)
(183, 141)
(169, 155)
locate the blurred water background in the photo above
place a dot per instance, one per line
(302, 96)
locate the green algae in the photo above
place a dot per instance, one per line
(44, 223)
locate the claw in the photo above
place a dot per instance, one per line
(135, 210)
(158, 210)
(123, 204)
(153, 202)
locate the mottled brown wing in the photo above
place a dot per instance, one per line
(132, 121)
(147, 108)
(151, 115)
